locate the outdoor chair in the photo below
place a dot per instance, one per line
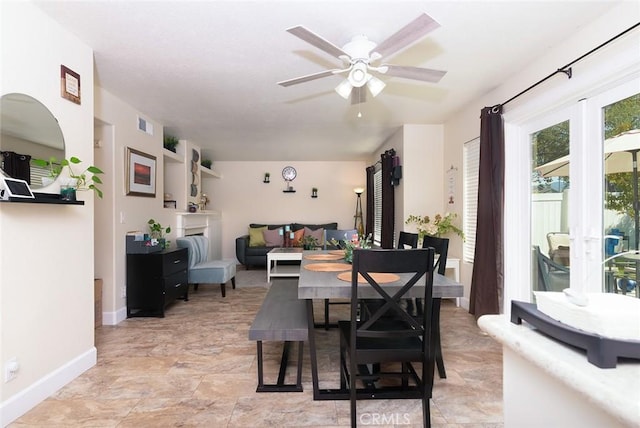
(559, 247)
(551, 275)
(389, 336)
(340, 236)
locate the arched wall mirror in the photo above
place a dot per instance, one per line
(28, 131)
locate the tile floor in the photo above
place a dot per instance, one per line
(196, 368)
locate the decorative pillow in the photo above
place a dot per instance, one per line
(297, 237)
(318, 234)
(256, 237)
(332, 226)
(273, 238)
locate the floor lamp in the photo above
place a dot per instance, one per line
(358, 224)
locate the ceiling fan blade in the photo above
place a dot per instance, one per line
(411, 32)
(359, 95)
(317, 41)
(415, 73)
(309, 77)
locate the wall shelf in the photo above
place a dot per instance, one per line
(43, 198)
(170, 156)
(209, 172)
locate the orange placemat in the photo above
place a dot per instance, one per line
(327, 267)
(381, 278)
(324, 256)
(337, 252)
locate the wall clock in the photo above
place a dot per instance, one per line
(289, 173)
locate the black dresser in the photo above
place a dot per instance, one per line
(155, 280)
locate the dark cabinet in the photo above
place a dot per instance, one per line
(155, 280)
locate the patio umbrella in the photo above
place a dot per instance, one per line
(620, 155)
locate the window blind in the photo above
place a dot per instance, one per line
(471, 154)
(377, 207)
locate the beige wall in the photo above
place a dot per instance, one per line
(242, 197)
(120, 213)
(421, 191)
(46, 272)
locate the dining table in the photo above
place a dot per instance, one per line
(319, 279)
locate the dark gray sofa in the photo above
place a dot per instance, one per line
(257, 256)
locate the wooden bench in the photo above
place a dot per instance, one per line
(282, 317)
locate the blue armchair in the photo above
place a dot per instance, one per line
(205, 271)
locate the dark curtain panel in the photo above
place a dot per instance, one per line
(487, 279)
(388, 202)
(370, 202)
(17, 165)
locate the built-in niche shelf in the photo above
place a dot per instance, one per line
(209, 172)
(172, 157)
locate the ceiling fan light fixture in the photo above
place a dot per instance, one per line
(359, 76)
(375, 86)
(344, 89)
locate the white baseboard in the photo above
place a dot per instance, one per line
(114, 318)
(28, 398)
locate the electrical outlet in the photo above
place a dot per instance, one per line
(11, 369)
(123, 291)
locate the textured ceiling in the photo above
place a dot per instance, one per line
(208, 70)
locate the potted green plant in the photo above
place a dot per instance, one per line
(157, 231)
(170, 143)
(88, 179)
(206, 163)
(309, 242)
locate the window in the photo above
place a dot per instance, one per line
(471, 168)
(377, 207)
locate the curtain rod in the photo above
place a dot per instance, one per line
(566, 69)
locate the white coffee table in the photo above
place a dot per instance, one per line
(283, 271)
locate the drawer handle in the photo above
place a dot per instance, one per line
(177, 285)
(175, 262)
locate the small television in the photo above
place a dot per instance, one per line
(14, 188)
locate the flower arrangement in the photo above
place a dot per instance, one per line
(356, 241)
(438, 226)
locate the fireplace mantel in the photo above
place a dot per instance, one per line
(207, 223)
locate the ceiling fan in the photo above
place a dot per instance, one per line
(361, 55)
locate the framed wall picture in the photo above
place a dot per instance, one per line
(69, 84)
(140, 173)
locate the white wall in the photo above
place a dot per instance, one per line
(465, 124)
(242, 197)
(46, 263)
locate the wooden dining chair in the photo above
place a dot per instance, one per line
(389, 336)
(441, 248)
(407, 240)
